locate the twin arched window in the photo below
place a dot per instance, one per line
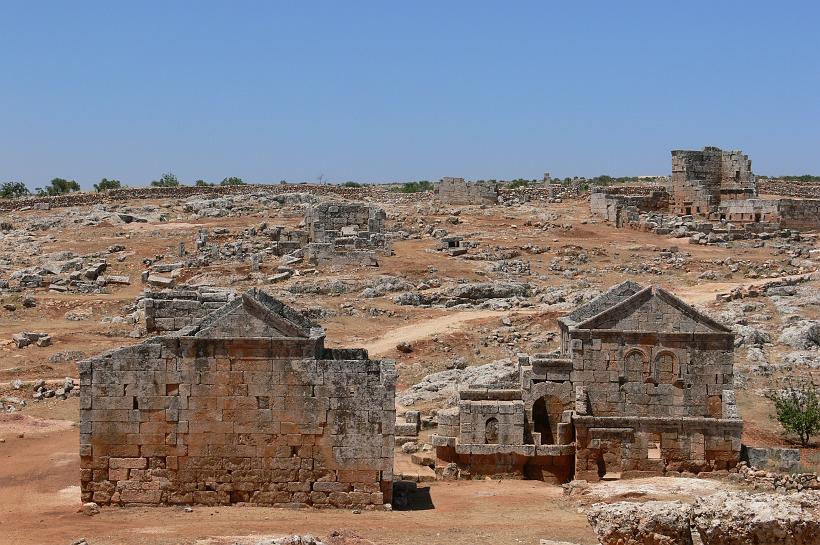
(637, 369)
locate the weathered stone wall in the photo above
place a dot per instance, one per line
(173, 309)
(787, 213)
(789, 188)
(610, 206)
(328, 221)
(700, 178)
(457, 191)
(245, 407)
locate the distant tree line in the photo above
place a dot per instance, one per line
(806, 178)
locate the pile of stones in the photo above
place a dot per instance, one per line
(26, 338)
(42, 391)
(764, 480)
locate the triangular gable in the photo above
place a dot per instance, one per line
(254, 314)
(653, 309)
(606, 300)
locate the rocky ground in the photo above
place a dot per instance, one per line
(71, 278)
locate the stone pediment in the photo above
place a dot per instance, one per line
(254, 315)
(652, 309)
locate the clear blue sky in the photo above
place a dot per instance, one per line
(387, 91)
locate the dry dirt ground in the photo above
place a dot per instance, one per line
(39, 474)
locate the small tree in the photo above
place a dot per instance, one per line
(203, 183)
(416, 187)
(232, 180)
(58, 186)
(167, 180)
(351, 184)
(106, 184)
(13, 190)
(797, 407)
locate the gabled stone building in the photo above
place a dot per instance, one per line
(245, 406)
(642, 385)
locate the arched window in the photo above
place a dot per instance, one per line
(666, 371)
(491, 431)
(635, 366)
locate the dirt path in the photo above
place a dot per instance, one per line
(434, 326)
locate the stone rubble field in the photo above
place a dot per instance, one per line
(73, 281)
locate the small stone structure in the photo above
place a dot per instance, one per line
(457, 191)
(642, 385)
(245, 406)
(615, 206)
(346, 232)
(701, 180)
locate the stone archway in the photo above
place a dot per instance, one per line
(545, 406)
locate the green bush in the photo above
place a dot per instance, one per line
(351, 184)
(106, 184)
(203, 183)
(797, 408)
(58, 186)
(13, 190)
(232, 180)
(167, 180)
(416, 187)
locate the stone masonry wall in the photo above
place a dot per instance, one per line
(330, 220)
(699, 177)
(182, 420)
(457, 191)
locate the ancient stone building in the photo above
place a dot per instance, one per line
(346, 231)
(642, 385)
(612, 205)
(457, 191)
(245, 406)
(701, 180)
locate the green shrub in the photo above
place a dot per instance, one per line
(797, 408)
(106, 184)
(416, 187)
(232, 180)
(58, 186)
(203, 183)
(167, 180)
(351, 184)
(13, 190)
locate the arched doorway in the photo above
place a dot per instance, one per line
(542, 421)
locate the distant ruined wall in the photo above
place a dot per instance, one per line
(328, 221)
(610, 206)
(787, 213)
(457, 191)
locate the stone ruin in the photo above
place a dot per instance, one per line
(457, 191)
(701, 180)
(642, 385)
(710, 191)
(245, 406)
(346, 231)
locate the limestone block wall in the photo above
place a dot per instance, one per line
(265, 421)
(700, 179)
(610, 206)
(326, 221)
(653, 374)
(641, 446)
(457, 191)
(173, 309)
